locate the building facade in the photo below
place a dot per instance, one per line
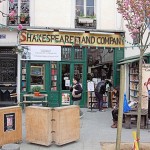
(60, 40)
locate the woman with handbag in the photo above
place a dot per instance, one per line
(76, 90)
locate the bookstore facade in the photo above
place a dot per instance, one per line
(50, 59)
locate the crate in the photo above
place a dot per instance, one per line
(59, 125)
(66, 125)
(39, 125)
(10, 125)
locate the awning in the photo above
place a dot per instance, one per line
(128, 61)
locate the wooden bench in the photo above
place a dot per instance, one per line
(134, 113)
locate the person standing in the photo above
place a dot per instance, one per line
(99, 91)
(76, 90)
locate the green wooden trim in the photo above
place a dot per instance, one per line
(117, 55)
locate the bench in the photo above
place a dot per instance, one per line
(134, 113)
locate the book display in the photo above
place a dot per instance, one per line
(23, 77)
(134, 81)
(53, 76)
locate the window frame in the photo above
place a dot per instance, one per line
(85, 9)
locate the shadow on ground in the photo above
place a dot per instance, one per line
(124, 146)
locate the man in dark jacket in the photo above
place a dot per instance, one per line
(99, 91)
(76, 93)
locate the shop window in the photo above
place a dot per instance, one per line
(8, 65)
(78, 53)
(21, 10)
(85, 8)
(85, 14)
(37, 75)
(66, 53)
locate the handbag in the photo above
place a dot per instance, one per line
(75, 95)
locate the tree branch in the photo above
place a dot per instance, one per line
(3, 14)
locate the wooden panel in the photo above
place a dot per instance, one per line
(66, 126)
(10, 125)
(39, 125)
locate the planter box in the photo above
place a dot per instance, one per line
(10, 125)
(85, 20)
(46, 125)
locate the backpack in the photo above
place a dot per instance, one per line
(100, 88)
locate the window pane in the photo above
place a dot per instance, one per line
(78, 53)
(90, 11)
(79, 11)
(65, 76)
(25, 7)
(13, 7)
(37, 75)
(90, 3)
(79, 2)
(66, 53)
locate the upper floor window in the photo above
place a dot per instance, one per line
(21, 12)
(85, 8)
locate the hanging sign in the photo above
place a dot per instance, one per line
(46, 53)
(70, 39)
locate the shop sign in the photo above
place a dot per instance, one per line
(2, 36)
(145, 85)
(70, 39)
(46, 53)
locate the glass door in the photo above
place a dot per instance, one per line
(65, 83)
(68, 71)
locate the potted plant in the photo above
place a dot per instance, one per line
(36, 90)
(12, 19)
(22, 18)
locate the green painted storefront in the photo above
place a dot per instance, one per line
(73, 62)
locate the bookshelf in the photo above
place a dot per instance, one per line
(134, 81)
(54, 72)
(23, 76)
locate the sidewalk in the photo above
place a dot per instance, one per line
(95, 128)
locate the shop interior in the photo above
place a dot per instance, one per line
(100, 63)
(100, 67)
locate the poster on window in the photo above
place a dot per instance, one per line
(91, 86)
(9, 122)
(145, 85)
(45, 53)
(65, 99)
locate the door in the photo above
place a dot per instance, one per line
(67, 72)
